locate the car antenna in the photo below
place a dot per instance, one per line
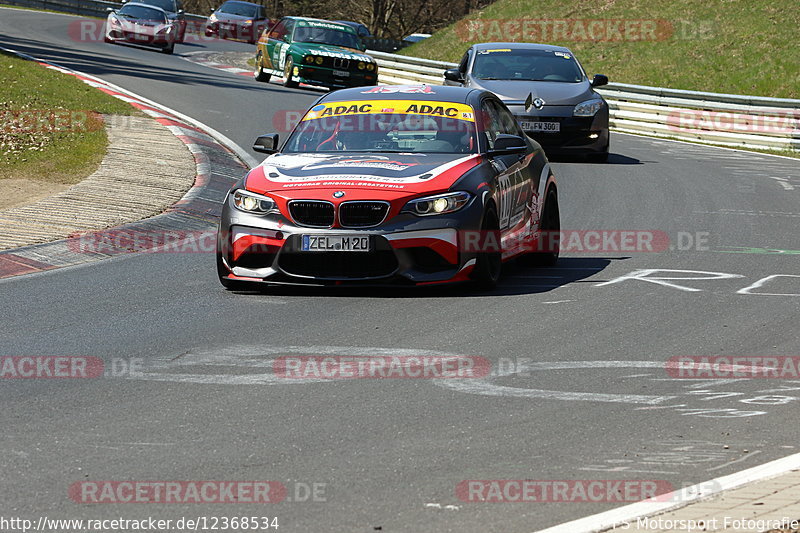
(529, 102)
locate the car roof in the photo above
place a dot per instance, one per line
(438, 93)
(521, 46)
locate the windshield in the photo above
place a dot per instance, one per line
(372, 126)
(142, 13)
(326, 35)
(237, 8)
(527, 65)
(166, 5)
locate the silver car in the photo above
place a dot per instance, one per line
(546, 89)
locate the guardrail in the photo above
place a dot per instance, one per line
(725, 119)
(87, 8)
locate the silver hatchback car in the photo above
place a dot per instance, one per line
(546, 89)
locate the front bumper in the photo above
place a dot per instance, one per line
(325, 77)
(405, 250)
(159, 41)
(584, 135)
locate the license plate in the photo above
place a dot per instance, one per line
(341, 73)
(335, 243)
(548, 127)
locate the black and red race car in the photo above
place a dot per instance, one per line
(391, 185)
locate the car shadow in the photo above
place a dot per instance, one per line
(613, 159)
(516, 280)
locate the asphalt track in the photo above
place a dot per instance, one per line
(391, 452)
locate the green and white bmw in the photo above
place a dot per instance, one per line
(313, 51)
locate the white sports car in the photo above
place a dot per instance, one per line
(143, 25)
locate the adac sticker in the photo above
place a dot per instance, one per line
(412, 107)
(563, 54)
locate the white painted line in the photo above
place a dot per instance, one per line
(677, 499)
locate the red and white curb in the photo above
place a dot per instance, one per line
(197, 202)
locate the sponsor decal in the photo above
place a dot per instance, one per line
(413, 107)
(400, 89)
(360, 162)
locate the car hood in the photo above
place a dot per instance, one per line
(332, 50)
(511, 91)
(229, 17)
(144, 27)
(385, 172)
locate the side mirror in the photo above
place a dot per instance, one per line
(599, 80)
(453, 74)
(266, 144)
(181, 12)
(506, 144)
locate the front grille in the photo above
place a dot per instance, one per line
(339, 265)
(362, 214)
(341, 63)
(311, 213)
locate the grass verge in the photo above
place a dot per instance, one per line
(50, 124)
(724, 46)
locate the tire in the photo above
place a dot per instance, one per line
(489, 264)
(287, 74)
(259, 73)
(550, 222)
(168, 49)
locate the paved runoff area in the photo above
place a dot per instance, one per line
(772, 506)
(146, 170)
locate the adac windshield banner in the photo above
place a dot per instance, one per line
(377, 107)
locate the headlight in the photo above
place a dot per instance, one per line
(370, 67)
(361, 65)
(587, 108)
(212, 18)
(251, 202)
(437, 205)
